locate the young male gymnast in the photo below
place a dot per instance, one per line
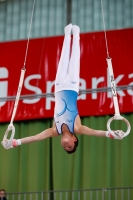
(67, 121)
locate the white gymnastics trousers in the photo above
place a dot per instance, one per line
(67, 77)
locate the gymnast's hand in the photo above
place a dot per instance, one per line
(119, 134)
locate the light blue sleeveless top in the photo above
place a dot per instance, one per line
(65, 109)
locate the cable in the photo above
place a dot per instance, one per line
(104, 29)
(28, 39)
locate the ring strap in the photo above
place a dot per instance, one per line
(113, 86)
(18, 95)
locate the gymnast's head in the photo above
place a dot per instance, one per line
(69, 140)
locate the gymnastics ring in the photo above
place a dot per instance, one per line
(119, 117)
(7, 144)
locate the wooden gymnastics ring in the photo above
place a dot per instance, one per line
(119, 117)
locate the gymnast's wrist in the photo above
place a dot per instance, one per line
(107, 134)
(19, 142)
(110, 135)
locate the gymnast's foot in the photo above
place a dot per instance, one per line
(68, 29)
(75, 30)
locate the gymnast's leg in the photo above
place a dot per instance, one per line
(74, 65)
(64, 60)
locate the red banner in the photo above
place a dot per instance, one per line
(42, 62)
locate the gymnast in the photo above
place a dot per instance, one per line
(67, 121)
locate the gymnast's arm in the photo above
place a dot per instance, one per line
(81, 129)
(50, 132)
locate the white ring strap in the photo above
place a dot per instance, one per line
(18, 94)
(113, 87)
(11, 127)
(117, 115)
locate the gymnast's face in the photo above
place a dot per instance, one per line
(68, 139)
(68, 143)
